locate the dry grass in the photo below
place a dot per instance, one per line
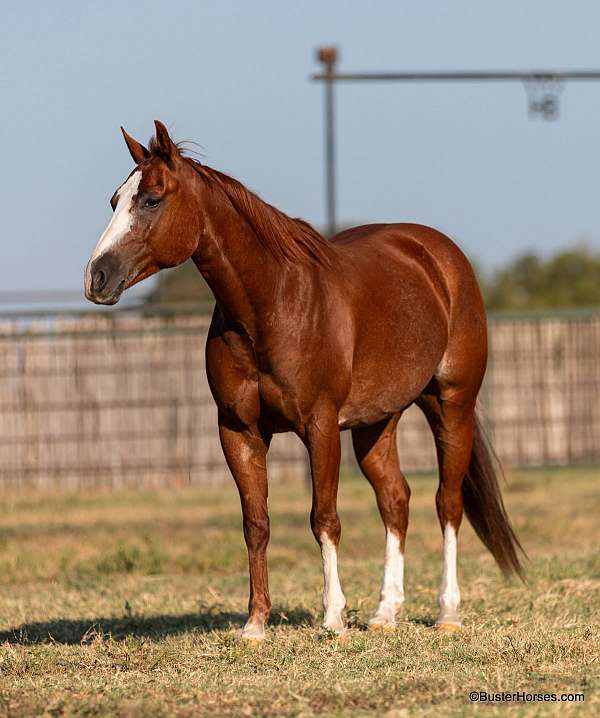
(127, 604)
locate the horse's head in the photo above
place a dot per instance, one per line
(154, 225)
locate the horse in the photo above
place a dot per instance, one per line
(318, 336)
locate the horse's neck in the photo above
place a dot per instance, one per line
(239, 270)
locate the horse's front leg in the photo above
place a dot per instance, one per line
(246, 454)
(323, 443)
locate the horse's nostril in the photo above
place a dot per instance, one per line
(99, 280)
(105, 272)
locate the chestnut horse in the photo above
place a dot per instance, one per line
(315, 337)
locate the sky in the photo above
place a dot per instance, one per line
(234, 77)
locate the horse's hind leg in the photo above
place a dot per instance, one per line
(452, 419)
(377, 454)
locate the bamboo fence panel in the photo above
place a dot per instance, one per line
(123, 399)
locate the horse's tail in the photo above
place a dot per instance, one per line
(485, 508)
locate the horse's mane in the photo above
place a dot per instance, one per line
(288, 240)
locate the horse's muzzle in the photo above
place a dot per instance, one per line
(104, 280)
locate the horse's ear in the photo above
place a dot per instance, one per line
(136, 150)
(165, 146)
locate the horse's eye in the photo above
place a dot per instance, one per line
(152, 202)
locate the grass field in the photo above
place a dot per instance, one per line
(127, 604)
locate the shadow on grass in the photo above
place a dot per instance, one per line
(76, 631)
(426, 621)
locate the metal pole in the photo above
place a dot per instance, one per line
(461, 76)
(545, 106)
(328, 57)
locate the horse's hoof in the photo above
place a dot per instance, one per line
(381, 626)
(341, 636)
(337, 630)
(252, 642)
(253, 633)
(448, 627)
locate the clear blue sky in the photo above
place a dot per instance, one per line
(234, 77)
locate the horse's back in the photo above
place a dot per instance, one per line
(409, 244)
(406, 249)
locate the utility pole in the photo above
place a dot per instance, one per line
(328, 57)
(543, 88)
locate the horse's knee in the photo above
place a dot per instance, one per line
(256, 533)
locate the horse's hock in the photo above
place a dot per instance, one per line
(123, 399)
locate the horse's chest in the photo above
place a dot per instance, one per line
(249, 392)
(278, 402)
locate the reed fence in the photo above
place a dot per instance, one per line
(122, 398)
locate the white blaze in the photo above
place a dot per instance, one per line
(333, 597)
(392, 585)
(122, 219)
